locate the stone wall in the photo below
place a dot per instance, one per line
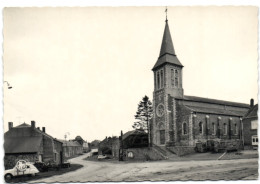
(58, 152)
(143, 154)
(219, 130)
(193, 130)
(159, 123)
(48, 149)
(183, 115)
(52, 150)
(182, 150)
(11, 160)
(70, 151)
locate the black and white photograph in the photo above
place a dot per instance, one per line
(130, 94)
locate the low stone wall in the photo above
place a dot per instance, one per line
(182, 150)
(143, 154)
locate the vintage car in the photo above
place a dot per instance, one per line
(100, 157)
(22, 167)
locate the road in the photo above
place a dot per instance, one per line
(239, 169)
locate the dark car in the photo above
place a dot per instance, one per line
(53, 166)
(41, 166)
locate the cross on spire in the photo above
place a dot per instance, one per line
(166, 13)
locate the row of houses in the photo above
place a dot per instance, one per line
(31, 143)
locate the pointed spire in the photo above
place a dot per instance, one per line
(167, 45)
(167, 52)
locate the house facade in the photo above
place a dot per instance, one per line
(250, 127)
(26, 142)
(105, 146)
(71, 148)
(182, 121)
(83, 143)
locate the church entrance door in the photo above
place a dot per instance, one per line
(162, 136)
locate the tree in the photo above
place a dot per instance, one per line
(144, 114)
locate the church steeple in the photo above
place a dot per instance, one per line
(167, 45)
(167, 52)
(168, 69)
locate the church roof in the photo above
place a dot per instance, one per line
(214, 101)
(214, 111)
(167, 52)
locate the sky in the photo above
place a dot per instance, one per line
(84, 70)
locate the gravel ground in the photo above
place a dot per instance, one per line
(240, 169)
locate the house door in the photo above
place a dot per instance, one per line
(162, 136)
(40, 158)
(61, 157)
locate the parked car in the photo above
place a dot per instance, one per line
(53, 166)
(100, 157)
(22, 167)
(41, 166)
(65, 165)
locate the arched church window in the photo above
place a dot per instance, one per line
(162, 82)
(213, 129)
(172, 77)
(236, 129)
(225, 129)
(176, 78)
(201, 127)
(158, 80)
(184, 128)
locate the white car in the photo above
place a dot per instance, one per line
(21, 168)
(102, 157)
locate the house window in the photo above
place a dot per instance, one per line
(55, 157)
(130, 154)
(254, 124)
(172, 77)
(201, 127)
(158, 80)
(213, 129)
(162, 82)
(184, 128)
(225, 129)
(254, 140)
(176, 78)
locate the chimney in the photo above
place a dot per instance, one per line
(10, 125)
(33, 124)
(43, 129)
(38, 128)
(252, 102)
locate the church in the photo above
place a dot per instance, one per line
(183, 121)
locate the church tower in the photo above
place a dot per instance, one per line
(167, 86)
